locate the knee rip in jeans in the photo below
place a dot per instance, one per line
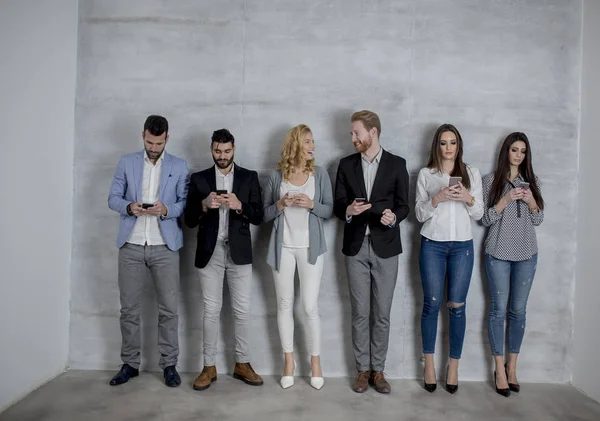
(456, 308)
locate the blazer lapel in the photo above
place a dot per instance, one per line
(138, 173)
(211, 179)
(360, 177)
(237, 180)
(165, 174)
(382, 170)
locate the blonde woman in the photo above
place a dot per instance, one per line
(297, 198)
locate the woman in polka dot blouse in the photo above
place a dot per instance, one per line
(514, 207)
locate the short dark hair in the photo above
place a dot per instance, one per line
(156, 125)
(222, 136)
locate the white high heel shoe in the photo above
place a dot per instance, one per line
(287, 381)
(317, 382)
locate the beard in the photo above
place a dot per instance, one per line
(362, 145)
(223, 163)
(153, 155)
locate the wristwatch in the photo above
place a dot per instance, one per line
(472, 202)
(129, 210)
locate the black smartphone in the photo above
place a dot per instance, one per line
(361, 200)
(221, 192)
(147, 205)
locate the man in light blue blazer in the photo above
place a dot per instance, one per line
(149, 191)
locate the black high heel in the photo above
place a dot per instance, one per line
(430, 387)
(503, 392)
(450, 388)
(515, 387)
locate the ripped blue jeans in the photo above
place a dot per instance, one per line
(509, 285)
(439, 260)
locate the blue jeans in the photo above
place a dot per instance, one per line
(438, 260)
(509, 286)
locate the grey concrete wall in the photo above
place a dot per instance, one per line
(38, 46)
(587, 313)
(260, 67)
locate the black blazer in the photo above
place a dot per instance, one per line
(247, 189)
(390, 191)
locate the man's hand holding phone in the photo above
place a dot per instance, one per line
(212, 201)
(358, 206)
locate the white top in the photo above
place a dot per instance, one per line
(295, 218)
(146, 230)
(224, 182)
(451, 220)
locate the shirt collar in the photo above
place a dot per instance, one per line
(377, 157)
(220, 174)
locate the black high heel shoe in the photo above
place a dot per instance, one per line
(430, 387)
(450, 388)
(515, 387)
(503, 392)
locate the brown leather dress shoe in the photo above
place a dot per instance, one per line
(245, 373)
(361, 383)
(377, 379)
(208, 375)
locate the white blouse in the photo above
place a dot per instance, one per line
(295, 218)
(451, 220)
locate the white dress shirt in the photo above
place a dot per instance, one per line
(450, 220)
(224, 182)
(146, 230)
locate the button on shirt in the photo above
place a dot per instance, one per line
(450, 220)
(511, 235)
(224, 182)
(369, 173)
(146, 230)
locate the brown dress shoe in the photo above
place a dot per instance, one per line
(377, 379)
(245, 373)
(361, 383)
(208, 375)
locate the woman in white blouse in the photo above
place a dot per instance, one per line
(297, 198)
(449, 198)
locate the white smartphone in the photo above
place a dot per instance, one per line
(293, 192)
(454, 181)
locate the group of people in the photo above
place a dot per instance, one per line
(153, 192)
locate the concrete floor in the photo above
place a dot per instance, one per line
(85, 395)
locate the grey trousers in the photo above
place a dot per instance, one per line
(372, 281)
(135, 264)
(239, 278)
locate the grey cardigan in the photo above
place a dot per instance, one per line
(323, 209)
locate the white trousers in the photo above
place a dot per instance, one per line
(310, 282)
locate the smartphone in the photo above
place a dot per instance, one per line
(454, 181)
(147, 205)
(524, 185)
(360, 200)
(221, 192)
(293, 192)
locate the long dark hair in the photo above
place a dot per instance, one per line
(435, 159)
(525, 169)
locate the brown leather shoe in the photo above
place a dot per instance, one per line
(208, 375)
(361, 383)
(245, 373)
(377, 379)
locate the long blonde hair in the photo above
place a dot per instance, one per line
(292, 152)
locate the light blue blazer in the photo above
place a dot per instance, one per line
(126, 188)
